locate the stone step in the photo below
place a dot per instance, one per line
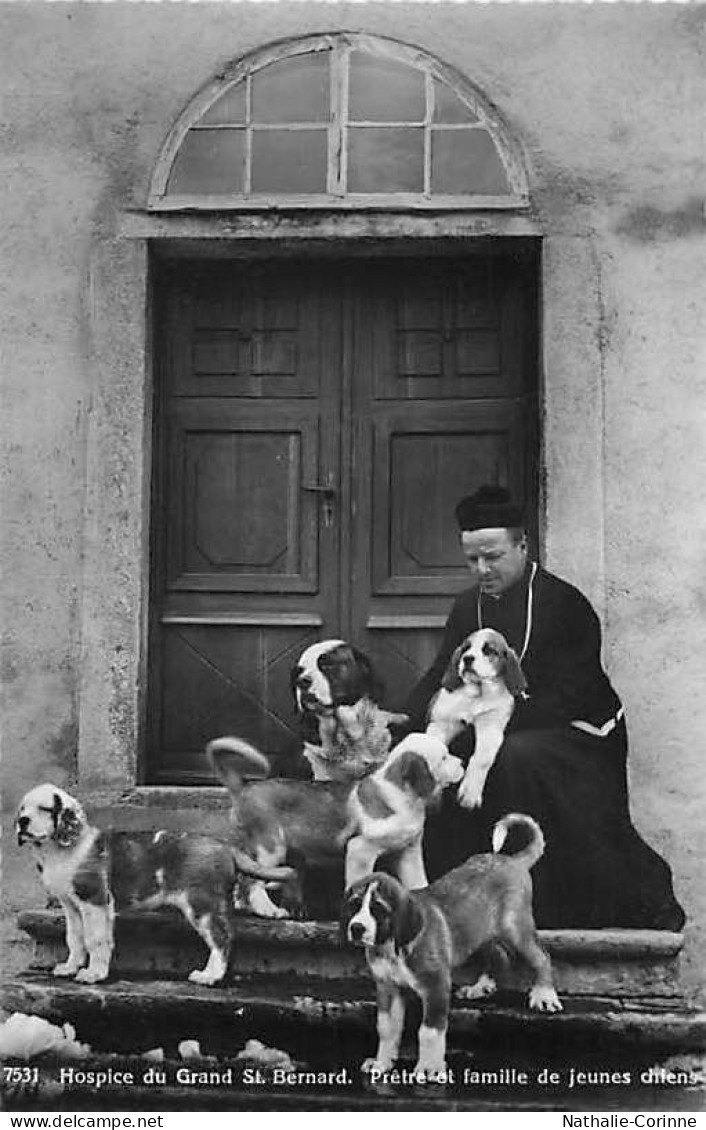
(619, 963)
(649, 1053)
(326, 1019)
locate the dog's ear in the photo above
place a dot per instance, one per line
(68, 821)
(350, 905)
(514, 678)
(452, 680)
(409, 920)
(367, 684)
(411, 769)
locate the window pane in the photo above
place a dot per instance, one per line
(294, 90)
(289, 160)
(382, 90)
(229, 108)
(466, 161)
(448, 107)
(209, 161)
(385, 160)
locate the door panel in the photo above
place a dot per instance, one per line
(421, 458)
(248, 334)
(443, 394)
(317, 423)
(226, 678)
(240, 520)
(444, 331)
(245, 552)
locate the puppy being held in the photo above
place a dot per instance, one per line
(336, 689)
(479, 688)
(414, 939)
(92, 872)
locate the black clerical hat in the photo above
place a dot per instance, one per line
(491, 507)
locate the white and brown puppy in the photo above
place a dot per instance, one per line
(388, 808)
(413, 940)
(335, 687)
(479, 688)
(276, 819)
(92, 872)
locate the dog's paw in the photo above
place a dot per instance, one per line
(431, 1073)
(470, 792)
(204, 977)
(66, 969)
(375, 1066)
(277, 912)
(91, 976)
(544, 999)
(261, 904)
(485, 986)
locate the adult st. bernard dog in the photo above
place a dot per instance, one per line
(337, 694)
(414, 939)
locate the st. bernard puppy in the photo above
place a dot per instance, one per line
(414, 939)
(92, 872)
(388, 808)
(318, 822)
(337, 694)
(479, 688)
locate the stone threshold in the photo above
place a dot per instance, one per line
(613, 963)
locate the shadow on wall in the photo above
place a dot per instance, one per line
(647, 223)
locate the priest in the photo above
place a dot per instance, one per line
(564, 756)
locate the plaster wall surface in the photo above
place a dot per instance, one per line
(609, 103)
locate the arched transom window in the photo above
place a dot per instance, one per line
(339, 120)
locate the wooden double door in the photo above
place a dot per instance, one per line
(316, 422)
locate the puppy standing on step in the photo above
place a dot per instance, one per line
(414, 939)
(336, 689)
(90, 872)
(388, 808)
(479, 689)
(318, 821)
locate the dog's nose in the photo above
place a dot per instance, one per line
(23, 823)
(467, 662)
(303, 681)
(356, 931)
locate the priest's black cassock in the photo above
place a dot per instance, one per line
(563, 761)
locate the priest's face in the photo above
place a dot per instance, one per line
(495, 557)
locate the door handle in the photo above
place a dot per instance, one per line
(317, 488)
(327, 493)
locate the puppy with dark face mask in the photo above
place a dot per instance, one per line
(479, 688)
(337, 695)
(414, 939)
